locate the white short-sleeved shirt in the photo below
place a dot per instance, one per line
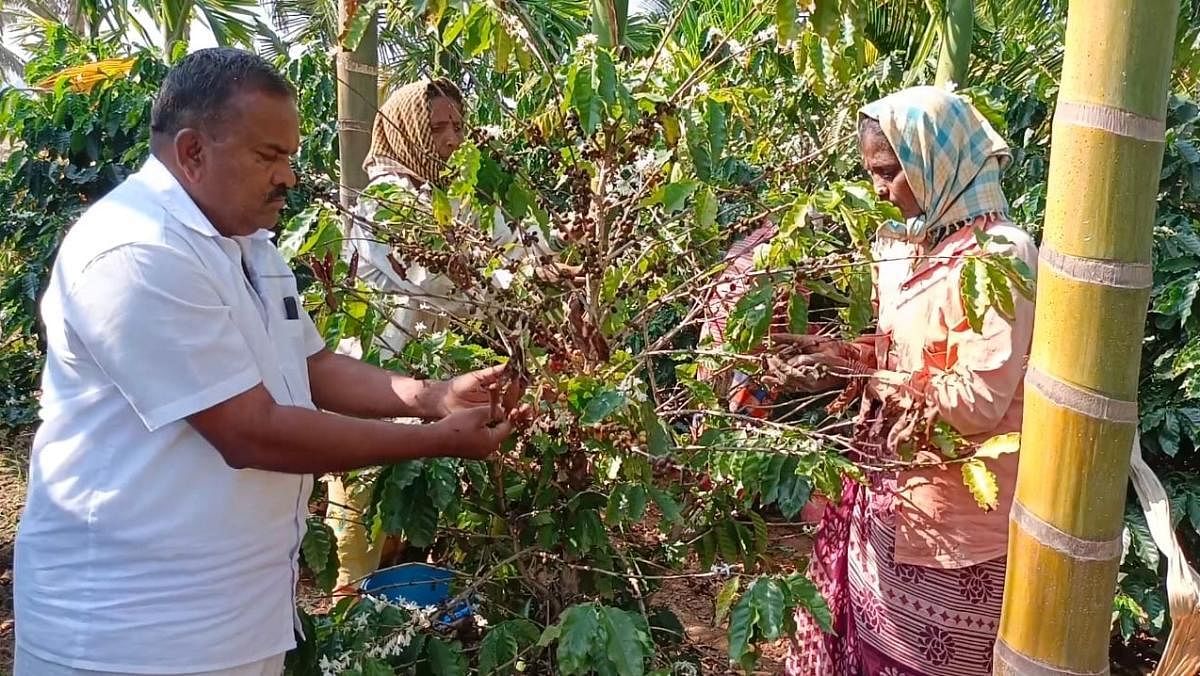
(140, 549)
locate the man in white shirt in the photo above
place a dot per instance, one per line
(188, 399)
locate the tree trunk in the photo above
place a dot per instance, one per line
(957, 26)
(358, 101)
(1093, 288)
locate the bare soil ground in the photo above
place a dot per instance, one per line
(692, 600)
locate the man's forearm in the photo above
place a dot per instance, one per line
(348, 386)
(302, 441)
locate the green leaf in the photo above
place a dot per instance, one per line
(714, 119)
(725, 599)
(658, 439)
(761, 538)
(705, 208)
(741, 627)
(672, 196)
(794, 492)
(667, 505)
(503, 643)
(626, 644)
(445, 659)
(728, 541)
(356, 27)
(973, 292)
(786, 12)
(504, 47)
(982, 483)
(580, 637)
(1000, 294)
(769, 604)
(696, 135)
(588, 106)
(441, 474)
(320, 553)
(751, 317)
(706, 549)
(798, 313)
(549, 635)
(806, 595)
(517, 201)
(606, 78)
(827, 18)
(637, 503)
(601, 406)
(479, 33)
(443, 213)
(1141, 542)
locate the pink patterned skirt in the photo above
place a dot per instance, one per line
(892, 619)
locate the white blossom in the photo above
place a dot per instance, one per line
(736, 48)
(420, 328)
(702, 88)
(351, 347)
(951, 86)
(766, 34)
(502, 278)
(492, 131)
(586, 42)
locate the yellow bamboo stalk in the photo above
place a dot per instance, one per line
(357, 101)
(1093, 288)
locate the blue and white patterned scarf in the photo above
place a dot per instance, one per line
(951, 156)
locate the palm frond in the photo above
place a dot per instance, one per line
(12, 66)
(233, 22)
(311, 21)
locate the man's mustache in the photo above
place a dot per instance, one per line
(278, 194)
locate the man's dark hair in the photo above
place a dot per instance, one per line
(198, 89)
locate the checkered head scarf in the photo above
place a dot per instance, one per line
(402, 134)
(951, 157)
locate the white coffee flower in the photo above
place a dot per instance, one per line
(502, 278)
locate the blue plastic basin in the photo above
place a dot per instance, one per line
(418, 583)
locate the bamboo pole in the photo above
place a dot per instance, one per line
(357, 101)
(957, 27)
(1081, 389)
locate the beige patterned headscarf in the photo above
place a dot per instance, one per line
(402, 133)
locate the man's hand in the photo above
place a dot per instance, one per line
(471, 433)
(471, 390)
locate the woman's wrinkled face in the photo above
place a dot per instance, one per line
(446, 125)
(887, 176)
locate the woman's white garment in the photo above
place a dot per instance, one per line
(422, 299)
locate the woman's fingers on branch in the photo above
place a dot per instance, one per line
(803, 341)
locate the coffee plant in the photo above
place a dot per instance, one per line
(640, 167)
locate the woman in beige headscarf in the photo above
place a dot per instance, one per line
(415, 132)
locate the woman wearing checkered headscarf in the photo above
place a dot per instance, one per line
(911, 567)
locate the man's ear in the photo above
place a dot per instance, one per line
(190, 153)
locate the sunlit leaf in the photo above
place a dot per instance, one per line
(981, 482)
